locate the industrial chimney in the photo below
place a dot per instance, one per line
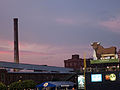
(16, 46)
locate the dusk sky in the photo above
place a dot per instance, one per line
(51, 31)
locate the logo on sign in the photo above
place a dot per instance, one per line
(112, 77)
(45, 85)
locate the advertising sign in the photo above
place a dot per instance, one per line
(104, 61)
(81, 82)
(96, 77)
(111, 77)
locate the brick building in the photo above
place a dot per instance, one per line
(76, 63)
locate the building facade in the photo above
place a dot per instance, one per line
(76, 63)
(39, 77)
(38, 73)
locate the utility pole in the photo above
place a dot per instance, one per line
(84, 71)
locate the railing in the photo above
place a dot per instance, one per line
(99, 69)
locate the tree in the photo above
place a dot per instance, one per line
(16, 86)
(29, 84)
(21, 85)
(2, 86)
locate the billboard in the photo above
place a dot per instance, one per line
(107, 80)
(96, 77)
(104, 61)
(81, 81)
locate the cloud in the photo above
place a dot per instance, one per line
(25, 48)
(34, 53)
(55, 55)
(35, 47)
(6, 45)
(77, 21)
(67, 21)
(6, 52)
(113, 24)
(42, 54)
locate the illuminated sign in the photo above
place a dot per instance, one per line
(96, 77)
(112, 77)
(107, 77)
(81, 82)
(65, 85)
(104, 61)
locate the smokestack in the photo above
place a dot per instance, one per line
(16, 46)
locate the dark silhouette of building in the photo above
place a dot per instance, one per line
(76, 63)
(38, 73)
(7, 77)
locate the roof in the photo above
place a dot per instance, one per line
(56, 84)
(11, 65)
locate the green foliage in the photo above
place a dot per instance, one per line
(2, 86)
(29, 84)
(16, 86)
(21, 85)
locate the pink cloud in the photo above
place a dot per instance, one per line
(25, 48)
(6, 52)
(6, 45)
(112, 24)
(59, 54)
(10, 43)
(34, 53)
(41, 54)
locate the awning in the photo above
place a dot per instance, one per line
(56, 84)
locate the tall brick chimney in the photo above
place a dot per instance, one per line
(16, 46)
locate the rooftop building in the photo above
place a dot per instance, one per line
(10, 66)
(76, 63)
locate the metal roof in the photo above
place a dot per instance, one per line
(12, 65)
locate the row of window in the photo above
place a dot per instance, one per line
(73, 64)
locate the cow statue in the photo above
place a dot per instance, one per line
(99, 50)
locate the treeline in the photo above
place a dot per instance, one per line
(19, 85)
